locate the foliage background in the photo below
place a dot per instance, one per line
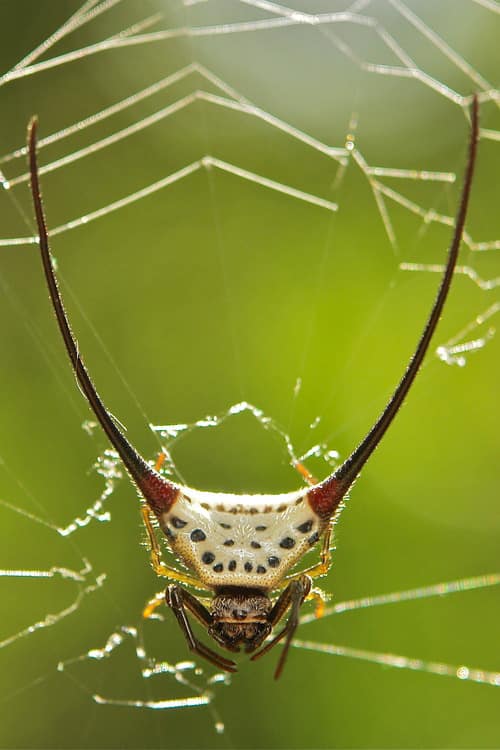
(216, 290)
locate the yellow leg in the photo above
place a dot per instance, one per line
(153, 604)
(160, 461)
(305, 473)
(319, 597)
(159, 599)
(325, 559)
(159, 567)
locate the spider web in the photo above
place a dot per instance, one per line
(221, 80)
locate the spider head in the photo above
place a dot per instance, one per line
(240, 618)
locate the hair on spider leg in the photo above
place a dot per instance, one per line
(209, 532)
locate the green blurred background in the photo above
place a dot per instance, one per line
(216, 290)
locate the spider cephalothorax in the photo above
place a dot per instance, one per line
(240, 618)
(241, 549)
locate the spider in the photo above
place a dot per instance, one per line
(241, 548)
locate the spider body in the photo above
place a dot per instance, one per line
(242, 548)
(244, 541)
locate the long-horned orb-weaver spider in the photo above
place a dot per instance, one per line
(240, 548)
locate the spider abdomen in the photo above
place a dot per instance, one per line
(248, 541)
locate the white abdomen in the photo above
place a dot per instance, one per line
(250, 541)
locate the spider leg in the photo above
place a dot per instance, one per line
(320, 598)
(293, 596)
(275, 616)
(178, 599)
(305, 473)
(157, 600)
(325, 558)
(153, 604)
(159, 566)
(160, 460)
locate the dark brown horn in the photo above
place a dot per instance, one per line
(158, 492)
(326, 496)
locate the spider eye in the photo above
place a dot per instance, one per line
(240, 614)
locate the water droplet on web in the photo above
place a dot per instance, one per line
(89, 426)
(349, 142)
(169, 430)
(238, 408)
(211, 421)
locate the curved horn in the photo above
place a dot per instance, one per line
(326, 496)
(158, 492)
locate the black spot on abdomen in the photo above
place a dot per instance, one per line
(305, 527)
(197, 535)
(178, 523)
